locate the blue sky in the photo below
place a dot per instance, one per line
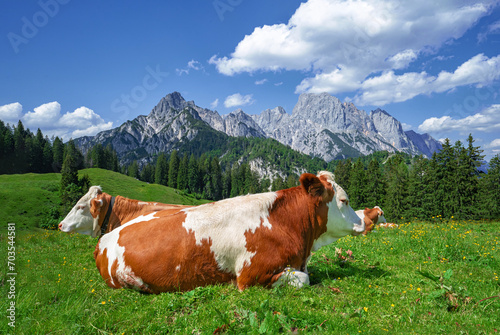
(74, 68)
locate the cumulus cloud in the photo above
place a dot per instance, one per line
(260, 82)
(11, 112)
(389, 87)
(486, 121)
(82, 121)
(344, 43)
(494, 144)
(44, 115)
(238, 100)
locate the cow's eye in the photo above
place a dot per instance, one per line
(81, 207)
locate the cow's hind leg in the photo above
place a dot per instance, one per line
(292, 277)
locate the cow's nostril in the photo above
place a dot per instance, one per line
(60, 225)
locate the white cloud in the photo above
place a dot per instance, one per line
(214, 104)
(238, 100)
(260, 82)
(45, 115)
(82, 121)
(494, 144)
(191, 65)
(389, 87)
(345, 42)
(486, 121)
(11, 113)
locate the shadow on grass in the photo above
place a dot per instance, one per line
(323, 271)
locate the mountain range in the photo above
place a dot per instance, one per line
(320, 125)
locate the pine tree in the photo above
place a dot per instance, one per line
(357, 187)
(173, 169)
(489, 186)
(133, 170)
(277, 184)
(396, 204)
(193, 175)
(417, 188)
(473, 159)
(343, 173)
(48, 157)
(216, 179)
(182, 174)
(58, 150)
(226, 184)
(69, 183)
(375, 184)
(161, 170)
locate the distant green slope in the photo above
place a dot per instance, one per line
(26, 198)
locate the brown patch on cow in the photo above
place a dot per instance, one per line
(371, 218)
(297, 218)
(166, 257)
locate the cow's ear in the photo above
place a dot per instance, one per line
(95, 207)
(312, 184)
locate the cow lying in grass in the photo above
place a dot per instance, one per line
(97, 213)
(371, 217)
(261, 239)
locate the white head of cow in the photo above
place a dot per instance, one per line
(381, 217)
(80, 219)
(342, 220)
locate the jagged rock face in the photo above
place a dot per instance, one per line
(424, 142)
(238, 123)
(320, 125)
(170, 122)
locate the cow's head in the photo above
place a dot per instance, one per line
(380, 213)
(342, 220)
(84, 216)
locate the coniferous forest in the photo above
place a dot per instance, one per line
(451, 184)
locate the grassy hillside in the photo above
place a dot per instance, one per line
(26, 198)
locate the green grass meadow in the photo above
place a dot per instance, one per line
(433, 277)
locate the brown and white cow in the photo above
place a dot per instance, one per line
(98, 213)
(260, 239)
(371, 216)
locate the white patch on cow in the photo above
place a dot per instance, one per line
(342, 220)
(178, 268)
(292, 277)
(225, 223)
(361, 213)
(115, 251)
(142, 203)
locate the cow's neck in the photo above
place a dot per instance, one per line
(124, 210)
(372, 215)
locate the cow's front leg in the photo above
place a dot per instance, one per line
(292, 277)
